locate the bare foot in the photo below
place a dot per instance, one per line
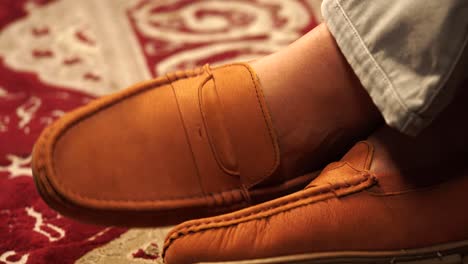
(318, 105)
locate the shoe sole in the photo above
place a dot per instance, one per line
(451, 253)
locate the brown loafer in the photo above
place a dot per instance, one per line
(354, 212)
(189, 144)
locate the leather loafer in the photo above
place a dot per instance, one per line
(189, 144)
(355, 211)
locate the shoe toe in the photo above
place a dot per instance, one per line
(189, 144)
(118, 154)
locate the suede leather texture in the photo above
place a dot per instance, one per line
(345, 209)
(189, 144)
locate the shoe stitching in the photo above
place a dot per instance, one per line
(198, 227)
(332, 188)
(188, 139)
(209, 137)
(268, 122)
(60, 129)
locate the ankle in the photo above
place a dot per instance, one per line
(318, 105)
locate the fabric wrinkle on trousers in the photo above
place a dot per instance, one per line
(409, 55)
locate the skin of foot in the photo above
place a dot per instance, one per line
(318, 106)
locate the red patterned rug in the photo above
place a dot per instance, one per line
(56, 55)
